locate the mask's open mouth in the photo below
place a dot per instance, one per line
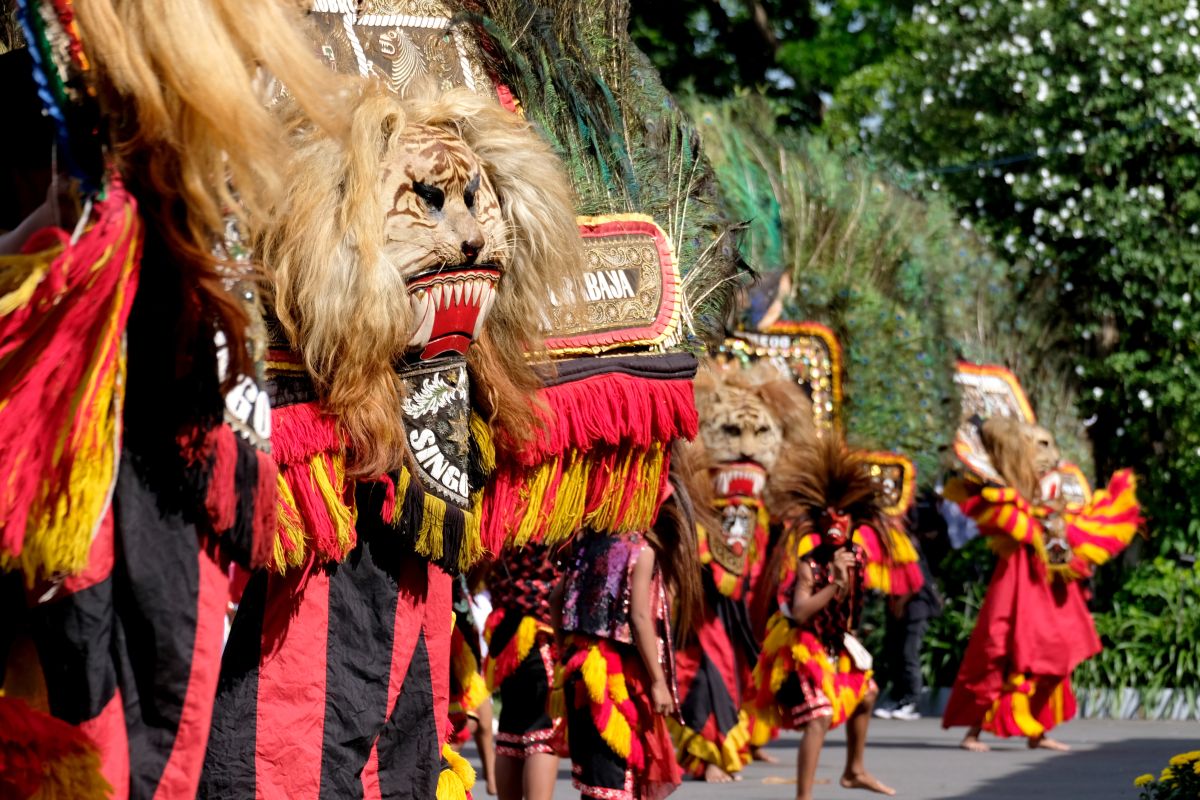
(450, 306)
(740, 479)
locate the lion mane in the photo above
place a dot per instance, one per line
(343, 302)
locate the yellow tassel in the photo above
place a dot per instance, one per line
(617, 689)
(481, 433)
(527, 632)
(475, 691)
(534, 492)
(617, 734)
(73, 776)
(402, 481)
(557, 707)
(594, 672)
(566, 516)
(433, 521)
(472, 549)
(289, 528)
(456, 781)
(329, 477)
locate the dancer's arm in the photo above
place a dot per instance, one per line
(641, 618)
(806, 602)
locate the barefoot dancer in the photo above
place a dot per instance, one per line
(812, 674)
(617, 668)
(1034, 627)
(520, 665)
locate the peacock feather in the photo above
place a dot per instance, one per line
(627, 145)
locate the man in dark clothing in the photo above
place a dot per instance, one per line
(908, 619)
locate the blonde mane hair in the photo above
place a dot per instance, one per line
(1012, 452)
(182, 85)
(344, 305)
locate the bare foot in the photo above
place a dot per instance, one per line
(761, 754)
(1046, 743)
(971, 742)
(714, 774)
(865, 780)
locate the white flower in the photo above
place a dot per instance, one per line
(1177, 324)
(1043, 92)
(1089, 18)
(1119, 30)
(1156, 66)
(1097, 392)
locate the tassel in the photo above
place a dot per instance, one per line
(429, 536)
(266, 509)
(63, 311)
(45, 758)
(457, 777)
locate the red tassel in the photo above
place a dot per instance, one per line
(301, 431)
(610, 410)
(221, 499)
(266, 511)
(64, 335)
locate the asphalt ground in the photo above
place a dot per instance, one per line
(920, 760)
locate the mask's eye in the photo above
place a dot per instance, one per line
(731, 430)
(434, 197)
(469, 192)
(762, 430)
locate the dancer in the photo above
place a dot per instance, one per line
(747, 417)
(470, 700)
(131, 440)
(520, 666)
(1034, 627)
(404, 262)
(616, 680)
(813, 675)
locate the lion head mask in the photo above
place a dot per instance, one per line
(443, 221)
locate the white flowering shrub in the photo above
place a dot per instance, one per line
(1068, 134)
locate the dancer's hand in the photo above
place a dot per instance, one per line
(843, 562)
(660, 695)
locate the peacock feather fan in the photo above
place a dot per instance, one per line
(627, 145)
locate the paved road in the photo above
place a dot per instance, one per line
(922, 761)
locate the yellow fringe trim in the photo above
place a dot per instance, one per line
(558, 518)
(694, 751)
(760, 732)
(458, 779)
(481, 433)
(433, 523)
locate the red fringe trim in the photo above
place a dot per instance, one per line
(610, 411)
(301, 431)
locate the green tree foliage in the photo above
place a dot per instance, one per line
(904, 286)
(1069, 135)
(794, 50)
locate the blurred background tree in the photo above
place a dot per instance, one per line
(796, 51)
